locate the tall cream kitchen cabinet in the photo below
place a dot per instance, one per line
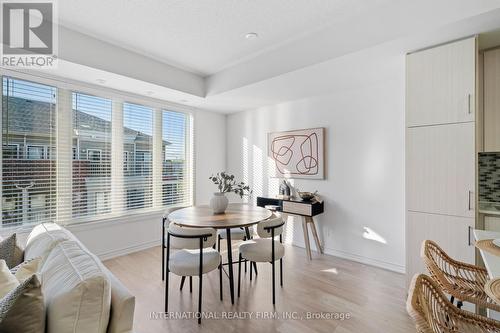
(441, 84)
(492, 100)
(440, 151)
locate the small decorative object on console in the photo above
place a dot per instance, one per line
(306, 196)
(226, 184)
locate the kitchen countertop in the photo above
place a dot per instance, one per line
(491, 261)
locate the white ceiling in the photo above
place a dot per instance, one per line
(205, 36)
(306, 48)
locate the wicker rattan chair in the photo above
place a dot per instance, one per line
(432, 312)
(464, 282)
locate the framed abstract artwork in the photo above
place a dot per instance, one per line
(298, 153)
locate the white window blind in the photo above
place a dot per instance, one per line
(91, 155)
(175, 171)
(138, 147)
(71, 157)
(28, 152)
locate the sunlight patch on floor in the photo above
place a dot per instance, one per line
(331, 270)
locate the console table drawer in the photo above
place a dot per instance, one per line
(297, 208)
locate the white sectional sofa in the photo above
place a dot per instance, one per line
(81, 295)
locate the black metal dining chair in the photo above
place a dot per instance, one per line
(265, 248)
(188, 262)
(241, 234)
(164, 224)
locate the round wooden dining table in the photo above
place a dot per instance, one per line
(236, 216)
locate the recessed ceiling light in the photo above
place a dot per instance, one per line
(149, 92)
(251, 35)
(101, 81)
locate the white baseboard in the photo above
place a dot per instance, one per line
(361, 259)
(368, 261)
(127, 250)
(336, 253)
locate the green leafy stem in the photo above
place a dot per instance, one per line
(226, 184)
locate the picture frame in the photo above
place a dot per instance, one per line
(298, 153)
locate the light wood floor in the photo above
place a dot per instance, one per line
(374, 298)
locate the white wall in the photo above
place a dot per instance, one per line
(210, 149)
(364, 185)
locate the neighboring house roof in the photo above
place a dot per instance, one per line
(33, 119)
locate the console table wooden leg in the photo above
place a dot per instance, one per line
(306, 237)
(315, 234)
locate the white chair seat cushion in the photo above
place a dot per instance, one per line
(236, 234)
(260, 250)
(187, 262)
(76, 289)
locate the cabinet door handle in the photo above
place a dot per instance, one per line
(469, 108)
(468, 236)
(469, 200)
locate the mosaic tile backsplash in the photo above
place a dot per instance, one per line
(489, 177)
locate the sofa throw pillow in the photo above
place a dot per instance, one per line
(22, 309)
(10, 252)
(8, 281)
(26, 269)
(77, 290)
(18, 254)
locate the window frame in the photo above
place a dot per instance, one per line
(94, 150)
(22, 154)
(120, 97)
(83, 157)
(44, 152)
(131, 185)
(144, 161)
(126, 161)
(179, 179)
(17, 149)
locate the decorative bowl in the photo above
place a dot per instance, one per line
(306, 196)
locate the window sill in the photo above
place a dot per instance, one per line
(126, 217)
(83, 223)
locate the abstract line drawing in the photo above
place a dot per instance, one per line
(297, 154)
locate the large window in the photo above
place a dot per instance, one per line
(110, 155)
(28, 135)
(91, 155)
(175, 184)
(138, 144)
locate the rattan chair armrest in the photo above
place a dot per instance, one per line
(458, 317)
(470, 267)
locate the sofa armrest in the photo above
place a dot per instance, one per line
(122, 307)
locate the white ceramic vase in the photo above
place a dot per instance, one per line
(219, 203)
